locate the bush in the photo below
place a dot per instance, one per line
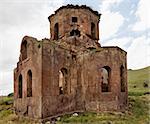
(11, 95)
(145, 84)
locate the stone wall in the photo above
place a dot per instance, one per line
(54, 59)
(33, 62)
(84, 80)
(91, 62)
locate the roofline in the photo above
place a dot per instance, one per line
(71, 6)
(114, 47)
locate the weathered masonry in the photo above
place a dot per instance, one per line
(71, 71)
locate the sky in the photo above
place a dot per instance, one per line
(124, 23)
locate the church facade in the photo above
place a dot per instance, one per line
(71, 71)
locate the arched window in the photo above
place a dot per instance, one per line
(93, 32)
(20, 86)
(122, 78)
(24, 50)
(105, 75)
(75, 33)
(63, 81)
(56, 31)
(29, 83)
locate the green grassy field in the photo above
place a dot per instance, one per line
(136, 80)
(137, 113)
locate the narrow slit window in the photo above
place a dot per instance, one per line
(56, 31)
(20, 86)
(24, 50)
(122, 78)
(93, 30)
(29, 84)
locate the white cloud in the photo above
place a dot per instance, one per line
(110, 24)
(17, 19)
(107, 4)
(143, 16)
(6, 84)
(110, 21)
(139, 53)
(123, 43)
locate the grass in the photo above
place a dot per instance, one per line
(7, 115)
(138, 112)
(138, 76)
(136, 79)
(6, 100)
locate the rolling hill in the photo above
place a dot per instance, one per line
(137, 81)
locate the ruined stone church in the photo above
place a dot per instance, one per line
(71, 71)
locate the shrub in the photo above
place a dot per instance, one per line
(11, 95)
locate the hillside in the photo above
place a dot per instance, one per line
(137, 113)
(137, 81)
(137, 76)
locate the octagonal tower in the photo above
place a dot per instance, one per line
(74, 21)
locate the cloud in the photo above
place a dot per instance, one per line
(110, 23)
(143, 16)
(139, 53)
(20, 18)
(107, 4)
(123, 43)
(6, 86)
